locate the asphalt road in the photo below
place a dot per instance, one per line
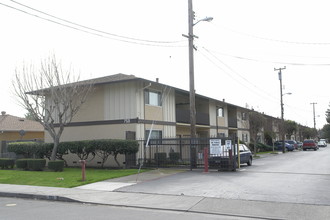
(294, 177)
(23, 209)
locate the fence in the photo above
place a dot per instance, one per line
(183, 153)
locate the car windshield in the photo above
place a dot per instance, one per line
(309, 141)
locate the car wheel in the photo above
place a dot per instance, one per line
(315, 149)
(304, 149)
(249, 163)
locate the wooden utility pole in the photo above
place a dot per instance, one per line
(191, 71)
(282, 108)
(314, 103)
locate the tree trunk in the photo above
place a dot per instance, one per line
(115, 157)
(54, 151)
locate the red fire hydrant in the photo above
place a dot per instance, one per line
(83, 169)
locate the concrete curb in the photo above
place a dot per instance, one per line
(38, 197)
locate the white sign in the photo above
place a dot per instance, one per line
(215, 146)
(228, 144)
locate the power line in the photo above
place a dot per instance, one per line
(98, 32)
(238, 81)
(93, 29)
(275, 40)
(239, 74)
(274, 62)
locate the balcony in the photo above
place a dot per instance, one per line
(183, 116)
(232, 122)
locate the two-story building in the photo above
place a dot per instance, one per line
(127, 107)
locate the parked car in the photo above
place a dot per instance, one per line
(293, 143)
(324, 140)
(321, 144)
(299, 144)
(310, 144)
(244, 153)
(278, 146)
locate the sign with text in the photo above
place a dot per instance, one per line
(215, 146)
(228, 144)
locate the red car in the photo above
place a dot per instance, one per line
(309, 144)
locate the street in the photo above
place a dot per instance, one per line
(23, 209)
(294, 177)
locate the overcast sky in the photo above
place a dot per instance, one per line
(235, 58)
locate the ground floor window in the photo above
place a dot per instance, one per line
(245, 137)
(155, 134)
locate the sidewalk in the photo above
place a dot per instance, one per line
(103, 193)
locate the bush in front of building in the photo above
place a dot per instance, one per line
(29, 149)
(160, 157)
(56, 165)
(174, 157)
(21, 164)
(83, 149)
(6, 163)
(36, 164)
(260, 147)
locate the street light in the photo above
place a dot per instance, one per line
(208, 19)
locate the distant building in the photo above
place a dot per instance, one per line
(14, 128)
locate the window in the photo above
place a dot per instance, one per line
(154, 134)
(245, 137)
(243, 115)
(155, 137)
(152, 98)
(221, 135)
(220, 112)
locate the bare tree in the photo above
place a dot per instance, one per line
(256, 124)
(51, 95)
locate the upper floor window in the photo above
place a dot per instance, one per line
(220, 112)
(152, 98)
(244, 116)
(245, 137)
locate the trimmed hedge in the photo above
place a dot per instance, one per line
(21, 164)
(6, 163)
(174, 156)
(36, 164)
(160, 157)
(31, 164)
(57, 165)
(83, 149)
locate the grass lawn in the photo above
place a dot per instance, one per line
(70, 177)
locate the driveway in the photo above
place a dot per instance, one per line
(295, 177)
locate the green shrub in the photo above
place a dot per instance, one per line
(36, 164)
(264, 147)
(21, 164)
(6, 163)
(174, 156)
(57, 165)
(27, 149)
(260, 147)
(160, 157)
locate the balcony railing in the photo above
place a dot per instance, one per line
(232, 122)
(183, 116)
